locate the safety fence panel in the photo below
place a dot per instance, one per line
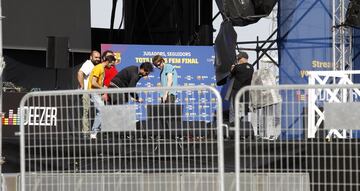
(73, 140)
(273, 150)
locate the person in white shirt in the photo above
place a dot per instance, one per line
(86, 67)
(83, 77)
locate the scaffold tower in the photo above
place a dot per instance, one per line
(342, 37)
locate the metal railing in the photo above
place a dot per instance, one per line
(273, 150)
(138, 146)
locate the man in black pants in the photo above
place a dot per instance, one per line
(128, 77)
(242, 73)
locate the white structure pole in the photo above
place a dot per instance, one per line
(2, 66)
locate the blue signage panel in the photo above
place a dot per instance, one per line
(194, 65)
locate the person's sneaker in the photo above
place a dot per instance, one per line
(93, 136)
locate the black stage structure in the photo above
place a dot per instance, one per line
(188, 27)
(323, 159)
(317, 159)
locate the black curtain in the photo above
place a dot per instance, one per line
(225, 54)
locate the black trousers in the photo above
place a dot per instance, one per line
(118, 98)
(170, 99)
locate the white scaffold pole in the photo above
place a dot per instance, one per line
(2, 66)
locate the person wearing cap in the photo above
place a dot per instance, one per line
(242, 73)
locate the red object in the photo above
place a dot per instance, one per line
(109, 74)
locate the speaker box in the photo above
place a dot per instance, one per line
(205, 35)
(164, 111)
(245, 12)
(353, 14)
(57, 53)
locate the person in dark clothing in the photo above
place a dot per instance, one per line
(128, 77)
(242, 73)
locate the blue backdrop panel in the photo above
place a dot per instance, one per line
(356, 55)
(356, 63)
(305, 43)
(305, 35)
(194, 65)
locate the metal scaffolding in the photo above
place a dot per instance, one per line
(2, 66)
(342, 38)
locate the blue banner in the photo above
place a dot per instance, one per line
(356, 53)
(305, 44)
(194, 65)
(305, 39)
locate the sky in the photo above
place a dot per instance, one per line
(101, 13)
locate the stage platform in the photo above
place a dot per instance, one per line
(325, 161)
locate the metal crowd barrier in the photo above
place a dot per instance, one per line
(140, 146)
(273, 149)
(10, 182)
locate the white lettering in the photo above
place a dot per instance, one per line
(47, 116)
(53, 116)
(26, 114)
(41, 121)
(178, 54)
(36, 115)
(41, 116)
(31, 121)
(149, 53)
